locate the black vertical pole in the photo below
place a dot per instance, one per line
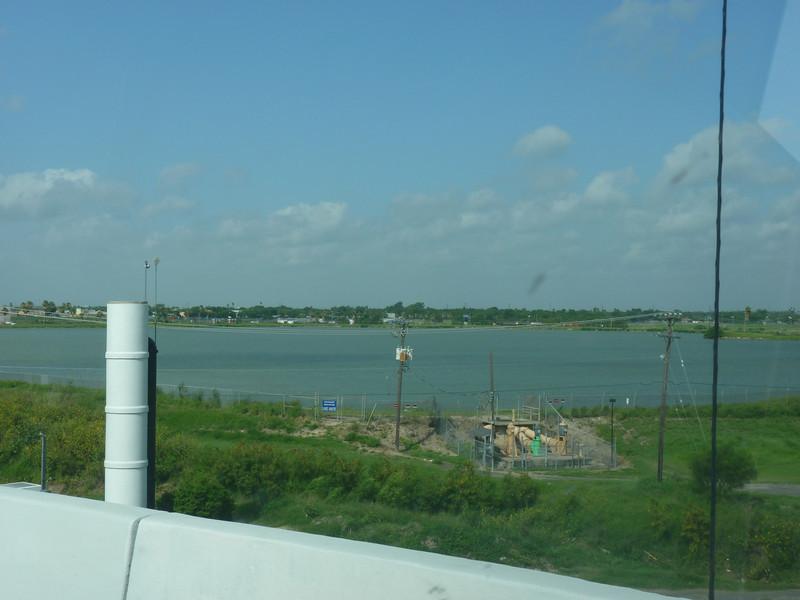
(44, 461)
(152, 370)
(613, 401)
(712, 525)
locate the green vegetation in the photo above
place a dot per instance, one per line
(767, 429)
(272, 465)
(38, 322)
(735, 468)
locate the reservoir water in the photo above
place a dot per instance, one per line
(581, 367)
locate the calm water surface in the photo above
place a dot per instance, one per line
(582, 367)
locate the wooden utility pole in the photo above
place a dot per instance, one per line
(402, 359)
(662, 416)
(492, 398)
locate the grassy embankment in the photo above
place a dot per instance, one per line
(35, 322)
(740, 331)
(252, 463)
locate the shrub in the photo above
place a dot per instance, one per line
(464, 488)
(76, 446)
(366, 440)
(660, 519)
(514, 493)
(250, 469)
(399, 489)
(694, 531)
(735, 467)
(774, 546)
(173, 452)
(709, 333)
(201, 495)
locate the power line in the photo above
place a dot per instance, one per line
(691, 392)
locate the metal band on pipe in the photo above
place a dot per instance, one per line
(125, 464)
(125, 410)
(128, 355)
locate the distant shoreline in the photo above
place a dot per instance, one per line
(738, 333)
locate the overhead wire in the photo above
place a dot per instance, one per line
(692, 394)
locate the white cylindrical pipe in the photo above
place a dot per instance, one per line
(126, 403)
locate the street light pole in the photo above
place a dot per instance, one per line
(146, 268)
(155, 325)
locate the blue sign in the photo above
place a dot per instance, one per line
(329, 406)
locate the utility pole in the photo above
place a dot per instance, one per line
(492, 404)
(662, 416)
(402, 355)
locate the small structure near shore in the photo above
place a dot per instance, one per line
(533, 440)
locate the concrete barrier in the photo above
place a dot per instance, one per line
(61, 547)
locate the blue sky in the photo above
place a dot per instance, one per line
(364, 153)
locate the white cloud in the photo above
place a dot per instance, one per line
(13, 103)
(553, 179)
(783, 218)
(232, 228)
(565, 204)
(745, 158)
(545, 141)
(685, 219)
(642, 16)
(771, 230)
(610, 186)
(483, 198)
(81, 228)
(789, 206)
(304, 221)
(295, 234)
(775, 126)
(51, 191)
(422, 218)
(176, 175)
(170, 203)
(634, 252)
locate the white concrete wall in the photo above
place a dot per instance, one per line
(60, 547)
